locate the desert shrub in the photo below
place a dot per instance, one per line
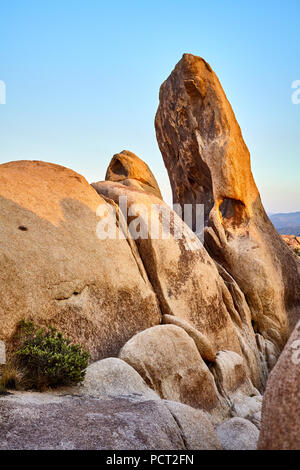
(47, 358)
(12, 375)
(3, 390)
(297, 251)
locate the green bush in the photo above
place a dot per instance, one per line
(49, 359)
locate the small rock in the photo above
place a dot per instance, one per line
(196, 428)
(249, 408)
(238, 434)
(113, 377)
(169, 362)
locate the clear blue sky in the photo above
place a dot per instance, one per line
(83, 78)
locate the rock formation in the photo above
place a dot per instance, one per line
(292, 241)
(201, 322)
(169, 362)
(32, 421)
(167, 359)
(174, 270)
(238, 434)
(56, 271)
(112, 377)
(180, 267)
(194, 330)
(208, 163)
(280, 427)
(127, 168)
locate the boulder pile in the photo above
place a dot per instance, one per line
(185, 333)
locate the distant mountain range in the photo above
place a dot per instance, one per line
(287, 224)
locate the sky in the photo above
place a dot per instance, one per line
(82, 81)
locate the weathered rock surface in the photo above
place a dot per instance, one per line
(178, 268)
(112, 377)
(196, 428)
(235, 387)
(190, 287)
(230, 372)
(55, 270)
(280, 426)
(203, 344)
(168, 360)
(226, 309)
(37, 421)
(238, 434)
(128, 169)
(292, 241)
(208, 163)
(98, 291)
(269, 353)
(248, 407)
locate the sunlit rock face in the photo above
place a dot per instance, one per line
(128, 169)
(208, 163)
(186, 281)
(54, 269)
(194, 293)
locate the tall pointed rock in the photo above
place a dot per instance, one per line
(208, 163)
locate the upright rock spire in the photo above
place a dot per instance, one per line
(128, 169)
(208, 163)
(200, 139)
